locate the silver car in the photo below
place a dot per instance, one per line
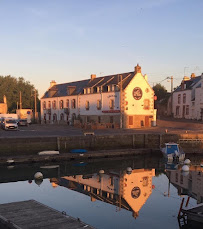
(9, 124)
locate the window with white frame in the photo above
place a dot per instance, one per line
(49, 105)
(44, 105)
(111, 104)
(184, 98)
(61, 104)
(73, 104)
(54, 104)
(87, 105)
(146, 104)
(67, 103)
(99, 104)
(179, 98)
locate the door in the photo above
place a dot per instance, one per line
(146, 121)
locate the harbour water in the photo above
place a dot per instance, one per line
(136, 192)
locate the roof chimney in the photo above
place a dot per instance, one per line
(192, 75)
(137, 69)
(52, 83)
(185, 78)
(93, 76)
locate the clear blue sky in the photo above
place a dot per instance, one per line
(67, 40)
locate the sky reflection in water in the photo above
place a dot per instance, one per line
(143, 202)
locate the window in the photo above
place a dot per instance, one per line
(146, 104)
(54, 104)
(62, 117)
(49, 105)
(177, 110)
(54, 118)
(145, 181)
(99, 104)
(99, 89)
(89, 90)
(111, 119)
(176, 177)
(44, 105)
(187, 110)
(184, 98)
(99, 119)
(179, 98)
(73, 105)
(61, 104)
(87, 105)
(85, 91)
(111, 104)
(130, 120)
(67, 103)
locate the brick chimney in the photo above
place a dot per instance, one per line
(192, 75)
(52, 83)
(93, 76)
(138, 69)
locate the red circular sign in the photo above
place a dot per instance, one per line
(137, 93)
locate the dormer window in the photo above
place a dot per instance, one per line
(99, 89)
(88, 90)
(85, 91)
(70, 90)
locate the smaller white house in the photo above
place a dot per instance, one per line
(187, 99)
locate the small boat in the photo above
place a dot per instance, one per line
(50, 152)
(80, 151)
(173, 152)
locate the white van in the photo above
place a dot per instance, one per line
(9, 124)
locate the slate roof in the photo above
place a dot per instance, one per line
(189, 84)
(61, 89)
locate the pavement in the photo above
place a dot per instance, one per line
(173, 126)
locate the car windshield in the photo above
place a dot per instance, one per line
(172, 148)
(10, 121)
(23, 120)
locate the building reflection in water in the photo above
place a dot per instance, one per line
(128, 190)
(187, 183)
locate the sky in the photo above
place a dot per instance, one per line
(68, 40)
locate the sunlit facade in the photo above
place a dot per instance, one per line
(124, 190)
(121, 100)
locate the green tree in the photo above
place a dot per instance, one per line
(11, 87)
(160, 91)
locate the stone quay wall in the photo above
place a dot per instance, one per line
(191, 143)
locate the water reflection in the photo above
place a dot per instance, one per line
(124, 190)
(187, 183)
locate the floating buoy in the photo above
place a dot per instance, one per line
(129, 170)
(185, 168)
(38, 182)
(187, 162)
(38, 176)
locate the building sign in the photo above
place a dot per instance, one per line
(110, 96)
(137, 93)
(135, 193)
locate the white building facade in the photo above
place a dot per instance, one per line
(187, 99)
(122, 100)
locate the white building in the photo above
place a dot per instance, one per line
(187, 99)
(121, 100)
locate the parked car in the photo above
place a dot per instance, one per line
(9, 124)
(22, 122)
